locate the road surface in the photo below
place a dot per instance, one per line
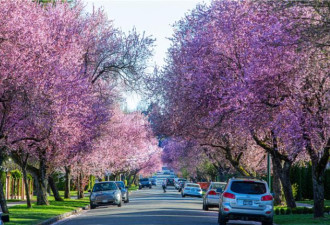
(151, 207)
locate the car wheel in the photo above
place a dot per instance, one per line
(150, 187)
(127, 199)
(221, 219)
(93, 206)
(119, 205)
(183, 196)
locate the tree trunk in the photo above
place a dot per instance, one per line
(67, 187)
(54, 188)
(27, 190)
(42, 184)
(318, 192)
(284, 175)
(3, 201)
(80, 186)
(277, 189)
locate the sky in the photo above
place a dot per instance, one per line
(154, 17)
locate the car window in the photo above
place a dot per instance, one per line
(144, 179)
(193, 185)
(105, 187)
(120, 184)
(248, 187)
(216, 186)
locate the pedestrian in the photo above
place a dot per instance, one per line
(164, 184)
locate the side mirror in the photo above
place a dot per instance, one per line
(89, 191)
(5, 218)
(119, 188)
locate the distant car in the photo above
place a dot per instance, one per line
(124, 191)
(248, 199)
(105, 193)
(177, 182)
(191, 189)
(170, 182)
(153, 181)
(212, 195)
(145, 182)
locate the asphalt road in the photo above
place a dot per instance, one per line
(151, 207)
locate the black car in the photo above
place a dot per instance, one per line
(170, 182)
(145, 182)
(153, 181)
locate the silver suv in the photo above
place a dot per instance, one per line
(246, 199)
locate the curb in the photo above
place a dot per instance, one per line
(63, 216)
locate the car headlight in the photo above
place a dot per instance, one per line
(93, 195)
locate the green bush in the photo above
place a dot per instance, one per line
(294, 211)
(305, 210)
(277, 211)
(327, 209)
(282, 210)
(288, 211)
(295, 189)
(299, 210)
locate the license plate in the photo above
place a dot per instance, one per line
(104, 201)
(247, 202)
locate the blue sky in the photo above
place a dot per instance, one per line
(155, 17)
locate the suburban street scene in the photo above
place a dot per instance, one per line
(164, 112)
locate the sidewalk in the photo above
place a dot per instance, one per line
(304, 205)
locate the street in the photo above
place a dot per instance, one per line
(151, 207)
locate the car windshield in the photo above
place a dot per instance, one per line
(182, 179)
(120, 184)
(144, 179)
(109, 186)
(248, 187)
(193, 185)
(216, 186)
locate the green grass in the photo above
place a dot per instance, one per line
(133, 188)
(72, 193)
(311, 202)
(301, 219)
(20, 215)
(14, 200)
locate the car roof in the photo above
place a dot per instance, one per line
(103, 182)
(247, 179)
(218, 182)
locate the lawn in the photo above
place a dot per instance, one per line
(72, 193)
(300, 219)
(20, 215)
(133, 188)
(311, 202)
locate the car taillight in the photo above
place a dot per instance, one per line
(267, 198)
(212, 193)
(226, 209)
(228, 195)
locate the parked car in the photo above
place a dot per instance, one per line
(145, 182)
(212, 195)
(105, 193)
(3, 218)
(177, 183)
(124, 191)
(170, 182)
(191, 189)
(153, 181)
(246, 199)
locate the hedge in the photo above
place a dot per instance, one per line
(280, 210)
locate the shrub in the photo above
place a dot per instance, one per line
(299, 210)
(277, 211)
(288, 211)
(282, 210)
(305, 210)
(294, 211)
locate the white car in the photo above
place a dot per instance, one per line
(212, 195)
(192, 189)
